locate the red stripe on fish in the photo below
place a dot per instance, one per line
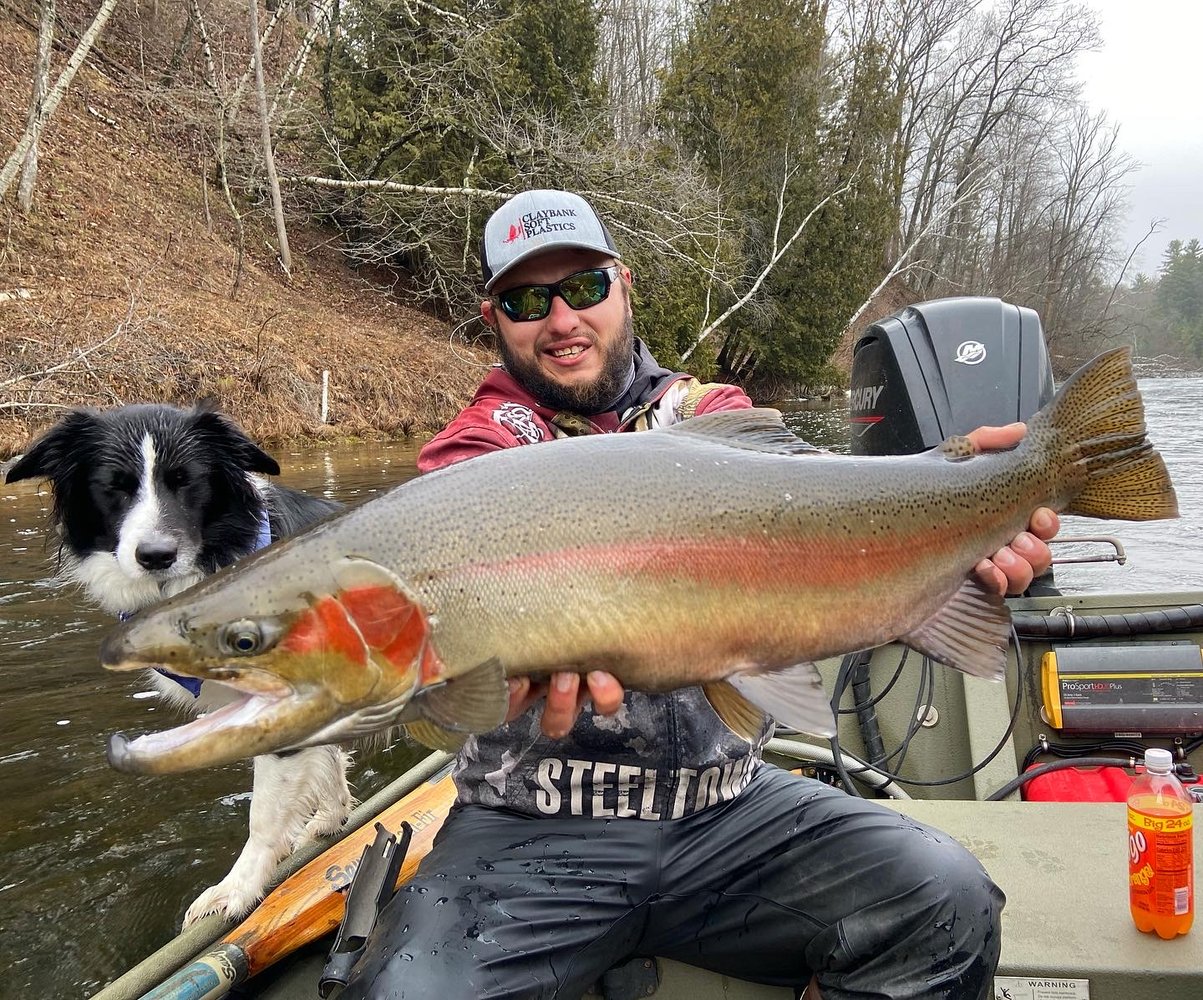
(325, 628)
(771, 562)
(407, 645)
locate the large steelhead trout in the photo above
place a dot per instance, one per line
(714, 552)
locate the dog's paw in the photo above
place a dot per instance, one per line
(228, 901)
(327, 821)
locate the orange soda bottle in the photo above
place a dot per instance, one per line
(1161, 877)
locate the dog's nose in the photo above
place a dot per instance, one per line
(156, 555)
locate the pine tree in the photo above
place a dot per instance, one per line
(1180, 294)
(750, 96)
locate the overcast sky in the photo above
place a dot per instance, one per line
(1148, 77)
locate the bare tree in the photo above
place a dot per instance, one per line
(266, 135)
(37, 100)
(33, 129)
(637, 38)
(777, 250)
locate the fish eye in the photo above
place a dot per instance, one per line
(242, 638)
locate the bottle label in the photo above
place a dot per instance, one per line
(1159, 862)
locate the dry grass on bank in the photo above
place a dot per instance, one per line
(119, 288)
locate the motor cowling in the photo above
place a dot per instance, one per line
(945, 367)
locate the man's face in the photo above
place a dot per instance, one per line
(575, 360)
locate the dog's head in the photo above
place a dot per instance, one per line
(148, 498)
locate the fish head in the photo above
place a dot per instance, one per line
(324, 661)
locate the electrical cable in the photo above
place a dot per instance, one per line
(837, 755)
(876, 699)
(799, 750)
(865, 765)
(1131, 747)
(866, 715)
(927, 682)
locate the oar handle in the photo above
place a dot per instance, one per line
(209, 977)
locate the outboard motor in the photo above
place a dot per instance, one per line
(945, 367)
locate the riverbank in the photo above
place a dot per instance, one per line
(126, 284)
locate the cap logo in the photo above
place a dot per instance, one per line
(548, 220)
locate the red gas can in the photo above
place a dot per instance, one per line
(1082, 784)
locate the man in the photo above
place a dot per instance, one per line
(599, 824)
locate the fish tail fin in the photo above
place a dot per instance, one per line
(1099, 420)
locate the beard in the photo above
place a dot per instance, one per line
(592, 397)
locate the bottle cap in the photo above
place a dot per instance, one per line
(1158, 760)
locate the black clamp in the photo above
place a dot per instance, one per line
(372, 886)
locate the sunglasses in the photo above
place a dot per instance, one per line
(527, 303)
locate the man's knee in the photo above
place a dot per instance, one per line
(961, 918)
(933, 931)
(967, 888)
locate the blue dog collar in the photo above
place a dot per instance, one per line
(193, 684)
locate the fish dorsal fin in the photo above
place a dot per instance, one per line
(758, 429)
(970, 632)
(435, 737)
(957, 448)
(473, 702)
(738, 714)
(793, 696)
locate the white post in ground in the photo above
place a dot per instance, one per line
(325, 394)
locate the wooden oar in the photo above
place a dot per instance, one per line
(308, 904)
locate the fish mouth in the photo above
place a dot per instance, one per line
(256, 722)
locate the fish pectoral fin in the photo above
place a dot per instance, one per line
(473, 702)
(758, 429)
(435, 737)
(970, 632)
(793, 696)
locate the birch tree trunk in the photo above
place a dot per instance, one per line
(265, 121)
(25, 143)
(37, 101)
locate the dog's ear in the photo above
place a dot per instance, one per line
(227, 435)
(56, 454)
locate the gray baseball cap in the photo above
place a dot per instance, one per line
(534, 222)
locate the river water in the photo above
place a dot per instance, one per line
(97, 868)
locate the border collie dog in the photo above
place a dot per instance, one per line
(148, 499)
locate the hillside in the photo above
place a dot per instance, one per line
(131, 250)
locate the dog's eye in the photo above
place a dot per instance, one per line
(242, 638)
(175, 479)
(125, 484)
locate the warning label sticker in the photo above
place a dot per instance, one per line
(1021, 988)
